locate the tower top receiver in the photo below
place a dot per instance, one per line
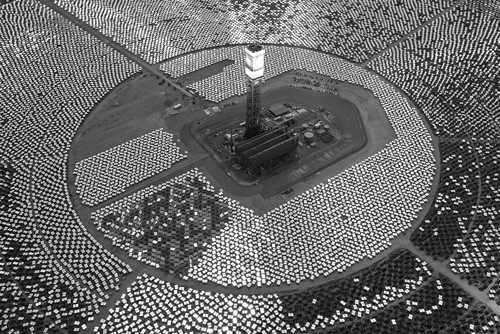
(254, 47)
(254, 70)
(254, 61)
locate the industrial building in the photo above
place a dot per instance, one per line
(266, 148)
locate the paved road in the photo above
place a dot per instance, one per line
(131, 56)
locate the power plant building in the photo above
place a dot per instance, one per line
(266, 148)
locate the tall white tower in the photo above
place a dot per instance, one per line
(254, 69)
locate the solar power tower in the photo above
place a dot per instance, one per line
(254, 69)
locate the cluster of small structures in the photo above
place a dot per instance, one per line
(161, 307)
(214, 87)
(461, 225)
(55, 277)
(477, 259)
(452, 80)
(452, 83)
(314, 83)
(399, 294)
(353, 29)
(167, 226)
(109, 173)
(480, 319)
(231, 81)
(494, 292)
(449, 218)
(7, 173)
